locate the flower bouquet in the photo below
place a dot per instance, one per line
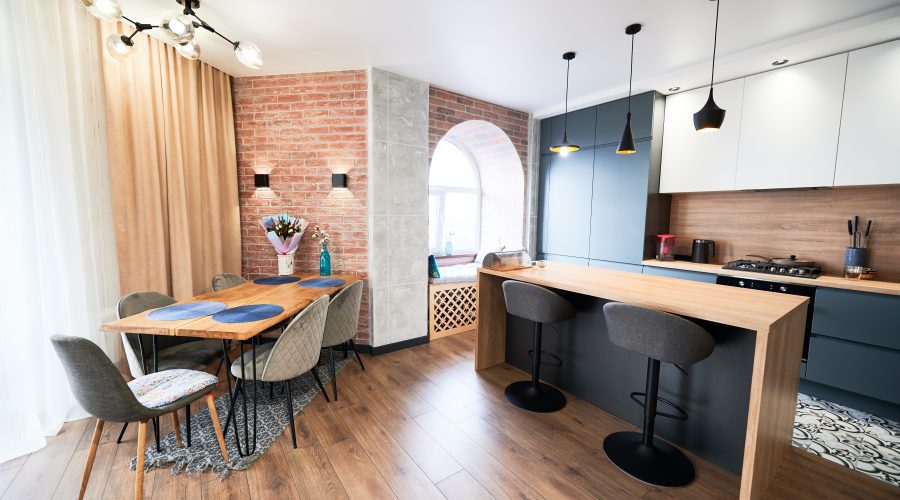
(284, 232)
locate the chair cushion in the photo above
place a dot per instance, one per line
(262, 355)
(161, 388)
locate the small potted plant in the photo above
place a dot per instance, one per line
(284, 232)
(325, 257)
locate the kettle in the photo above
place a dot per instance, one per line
(702, 250)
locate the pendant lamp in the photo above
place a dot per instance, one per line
(564, 148)
(710, 116)
(626, 145)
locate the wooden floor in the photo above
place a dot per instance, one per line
(419, 423)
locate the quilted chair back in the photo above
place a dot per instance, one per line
(297, 349)
(129, 305)
(98, 387)
(225, 280)
(343, 315)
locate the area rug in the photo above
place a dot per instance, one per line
(204, 454)
(854, 439)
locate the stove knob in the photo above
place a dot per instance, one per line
(741, 283)
(792, 270)
(801, 271)
(781, 269)
(782, 288)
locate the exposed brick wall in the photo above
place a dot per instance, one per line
(447, 109)
(305, 126)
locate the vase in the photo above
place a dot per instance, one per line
(325, 261)
(448, 248)
(285, 264)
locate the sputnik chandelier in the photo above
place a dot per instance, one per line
(180, 26)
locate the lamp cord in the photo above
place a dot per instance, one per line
(566, 119)
(715, 39)
(630, 74)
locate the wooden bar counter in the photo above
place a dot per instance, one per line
(778, 321)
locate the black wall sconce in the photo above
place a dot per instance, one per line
(261, 180)
(339, 181)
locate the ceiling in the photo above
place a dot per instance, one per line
(509, 51)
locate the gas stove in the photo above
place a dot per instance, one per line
(755, 266)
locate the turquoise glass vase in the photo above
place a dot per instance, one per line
(325, 261)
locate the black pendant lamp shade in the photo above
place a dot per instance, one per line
(626, 145)
(564, 148)
(711, 116)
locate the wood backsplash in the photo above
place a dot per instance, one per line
(806, 223)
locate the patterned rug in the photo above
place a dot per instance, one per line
(854, 439)
(204, 453)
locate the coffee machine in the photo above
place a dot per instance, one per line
(702, 250)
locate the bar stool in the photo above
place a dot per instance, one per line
(660, 337)
(539, 305)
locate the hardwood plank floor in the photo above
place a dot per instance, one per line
(419, 423)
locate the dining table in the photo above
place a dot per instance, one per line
(292, 297)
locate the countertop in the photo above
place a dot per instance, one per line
(871, 286)
(751, 309)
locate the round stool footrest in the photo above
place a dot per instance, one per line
(557, 362)
(682, 415)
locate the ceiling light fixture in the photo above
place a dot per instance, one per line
(180, 26)
(710, 117)
(564, 148)
(626, 145)
(674, 89)
(780, 62)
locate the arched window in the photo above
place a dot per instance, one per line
(454, 201)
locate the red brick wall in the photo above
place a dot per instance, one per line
(446, 109)
(305, 126)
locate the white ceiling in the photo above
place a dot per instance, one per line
(509, 51)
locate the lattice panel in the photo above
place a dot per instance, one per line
(453, 309)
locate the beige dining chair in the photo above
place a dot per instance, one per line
(341, 325)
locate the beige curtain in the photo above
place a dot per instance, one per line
(173, 169)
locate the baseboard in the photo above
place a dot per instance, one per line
(396, 346)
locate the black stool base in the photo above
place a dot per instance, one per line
(659, 464)
(541, 399)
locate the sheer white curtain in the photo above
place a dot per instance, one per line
(58, 246)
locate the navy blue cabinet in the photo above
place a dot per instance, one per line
(566, 217)
(619, 204)
(580, 128)
(546, 135)
(615, 266)
(854, 367)
(543, 203)
(611, 119)
(869, 318)
(680, 274)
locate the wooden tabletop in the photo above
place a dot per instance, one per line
(292, 297)
(870, 286)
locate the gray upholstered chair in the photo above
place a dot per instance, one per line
(341, 325)
(222, 281)
(172, 352)
(539, 305)
(100, 389)
(293, 354)
(662, 337)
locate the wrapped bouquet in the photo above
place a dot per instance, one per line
(284, 232)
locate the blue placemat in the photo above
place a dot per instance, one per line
(276, 280)
(248, 313)
(321, 282)
(190, 310)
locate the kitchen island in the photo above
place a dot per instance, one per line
(764, 333)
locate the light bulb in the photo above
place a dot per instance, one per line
(119, 46)
(189, 50)
(106, 10)
(248, 54)
(178, 26)
(564, 152)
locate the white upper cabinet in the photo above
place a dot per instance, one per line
(693, 161)
(790, 124)
(869, 148)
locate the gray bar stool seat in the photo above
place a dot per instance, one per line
(541, 306)
(662, 337)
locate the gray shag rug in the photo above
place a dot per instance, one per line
(204, 453)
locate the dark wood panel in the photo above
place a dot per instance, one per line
(809, 224)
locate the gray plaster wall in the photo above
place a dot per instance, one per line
(398, 207)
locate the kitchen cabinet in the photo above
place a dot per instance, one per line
(581, 129)
(543, 202)
(869, 149)
(567, 211)
(611, 119)
(693, 161)
(868, 318)
(680, 274)
(615, 266)
(790, 121)
(565, 259)
(854, 367)
(546, 135)
(619, 204)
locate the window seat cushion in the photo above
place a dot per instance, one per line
(463, 273)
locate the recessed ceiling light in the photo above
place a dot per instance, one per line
(674, 89)
(779, 62)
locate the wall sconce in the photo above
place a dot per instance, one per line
(261, 182)
(339, 181)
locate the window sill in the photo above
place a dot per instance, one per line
(452, 260)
